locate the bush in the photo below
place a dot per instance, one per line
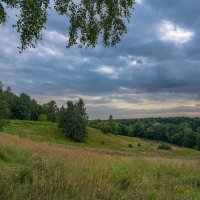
(139, 144)
(165, 147)
(105, 128)
(42, 117)
(102, 142)
(130, 146)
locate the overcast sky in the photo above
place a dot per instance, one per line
(154, 71)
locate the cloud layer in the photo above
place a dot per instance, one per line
(154, 71)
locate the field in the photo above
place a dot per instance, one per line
(37, 161)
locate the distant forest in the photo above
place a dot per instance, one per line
(182, 131)
(23, 107)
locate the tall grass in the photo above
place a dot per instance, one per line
(58, 169)
(27, 175)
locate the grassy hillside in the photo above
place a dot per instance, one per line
(48, 132)
(90, 176)
(56, 168)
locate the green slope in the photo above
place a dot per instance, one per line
(49, 132)
(47, 165)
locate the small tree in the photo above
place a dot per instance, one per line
(51, 110)
(73, 120)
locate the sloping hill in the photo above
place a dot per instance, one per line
(38, 162)
(98, 141)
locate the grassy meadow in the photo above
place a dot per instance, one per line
(37, 161)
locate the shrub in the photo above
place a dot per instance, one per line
(165, 147)
(130, 146)
(105, 128)
(139, 144)
(124, 183)
(42, 117)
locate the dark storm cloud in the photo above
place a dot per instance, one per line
(143, 67)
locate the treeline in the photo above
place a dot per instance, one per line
(182, 131)
(72, 119)
(23, 107)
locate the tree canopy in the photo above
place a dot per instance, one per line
(88, 20)
(73, 120)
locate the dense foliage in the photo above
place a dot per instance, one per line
(23, 107)
(88, 20)
(182, 131)
(73, 120)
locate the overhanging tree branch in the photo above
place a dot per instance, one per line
(89, 20)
